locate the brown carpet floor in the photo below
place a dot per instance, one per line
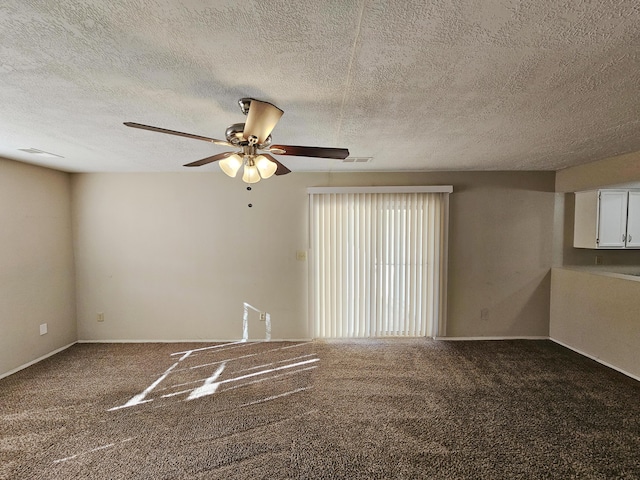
(374, 410)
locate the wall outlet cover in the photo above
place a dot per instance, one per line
(43, 329)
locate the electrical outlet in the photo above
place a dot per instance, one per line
(263, 316)
(484, 314)
(43, 329)
(301, 255)
(598, 260)
(101, 316)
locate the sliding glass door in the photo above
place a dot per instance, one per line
(378, 263)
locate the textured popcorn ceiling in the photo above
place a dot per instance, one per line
(417, 85)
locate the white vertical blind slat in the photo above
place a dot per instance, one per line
(371, 202)
(381, 236)
(362, 273)
(395, 269)
(428, 264)
(411, 257)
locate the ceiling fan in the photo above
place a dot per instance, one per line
(250, 138)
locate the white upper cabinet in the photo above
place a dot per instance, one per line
(612, 214)
(633, 220)
(607, 219)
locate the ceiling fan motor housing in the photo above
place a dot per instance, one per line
(235, 135)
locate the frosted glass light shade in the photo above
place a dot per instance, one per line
(265, 166)
(231, 165)
(251, 174)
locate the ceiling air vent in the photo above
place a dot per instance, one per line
(357, 160)
(42, 153)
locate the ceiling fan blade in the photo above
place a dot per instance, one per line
(261, 119)
(214, 158)
(277, 151)
(181, 134)
(320, 152)
(282, 170)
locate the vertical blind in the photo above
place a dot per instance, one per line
(378, 264)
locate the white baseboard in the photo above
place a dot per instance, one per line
(599, 360)
(33, 362)
(288, 340)
(393, 338)
(146, 340)
(460, 339)
(39, 359)
(199, 340)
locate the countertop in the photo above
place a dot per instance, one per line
(626, 272)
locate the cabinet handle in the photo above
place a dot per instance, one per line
(624, 237)
(629, 238)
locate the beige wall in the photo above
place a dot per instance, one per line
(36, 263)
(500, 254)
(609, 171)
(174, 256)
(597, 315)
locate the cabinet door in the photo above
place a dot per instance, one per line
(612, 218)
(633, 220)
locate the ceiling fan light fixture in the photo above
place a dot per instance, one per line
(250, 174)
(265, 166)
(231, 164)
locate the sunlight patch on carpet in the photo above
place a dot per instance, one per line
(182, 372)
